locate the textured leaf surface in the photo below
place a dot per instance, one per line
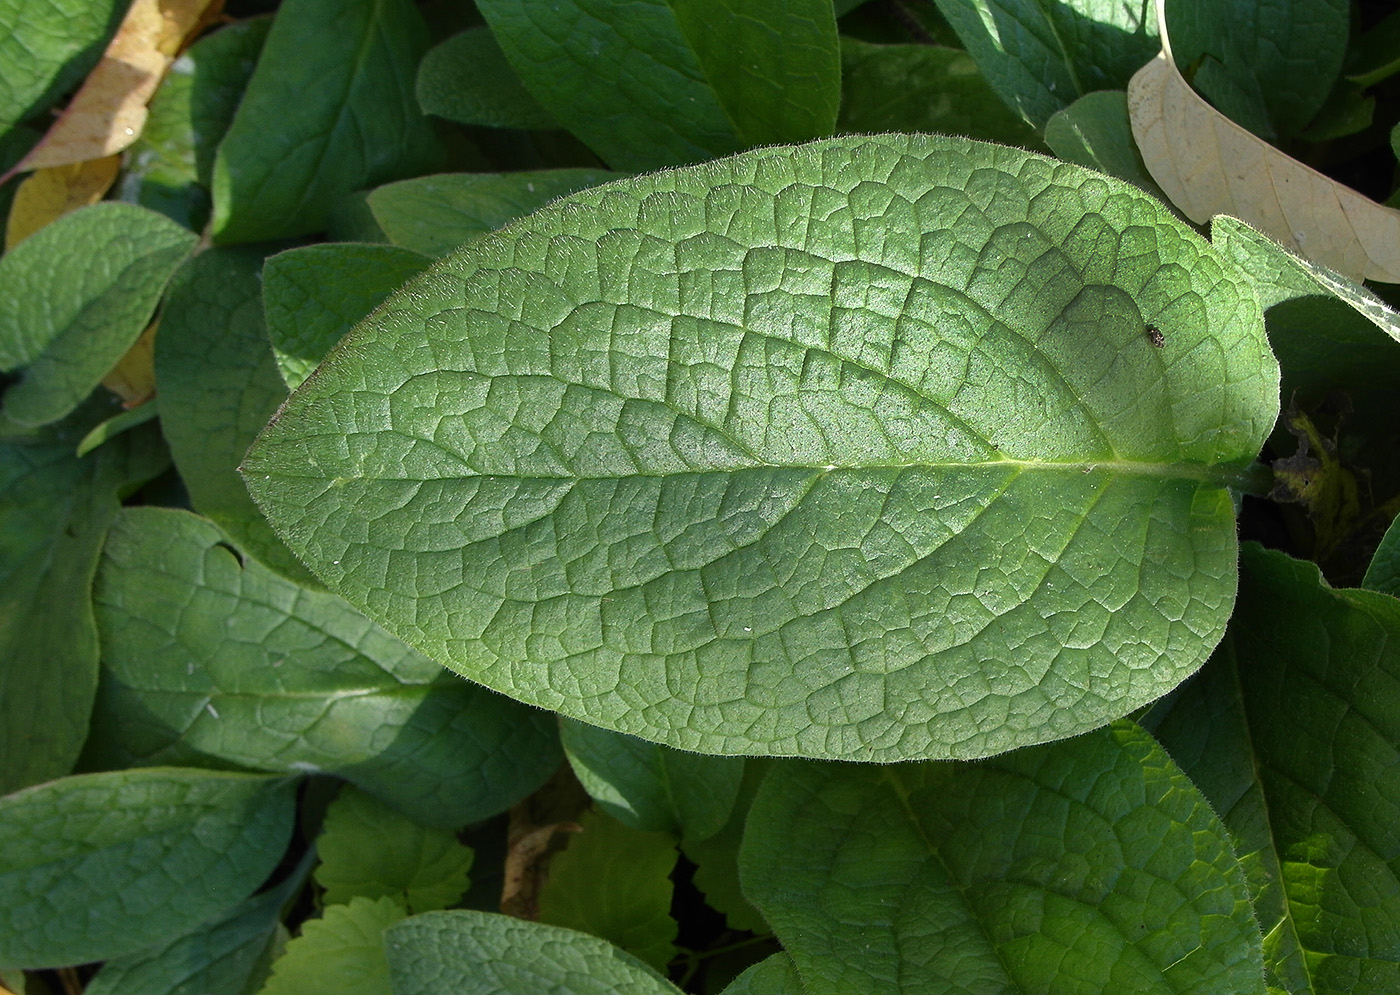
(47, 47)
(614, 882)
(435, 214)
(342, 952)
(102, 865)
(478, 953)
(218, 385)
(855, 450)
(1041, 57)
(467, 79)
(1291, 732)
(225, 956)
(658, 83)
(773, 975)
(923, 88)
(369, 850)
(313, 295)
(1094, 131)
(75, 296)
(1087, 866)
(238, 663)
(320, 120)
(54, 512)
(649, 787)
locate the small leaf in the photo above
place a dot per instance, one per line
(103, 865)
(320, 120)
(1209, 165)
(369, 850)
(478, 953)
(315, 294)
(1290, 731)
(854, 450)
(468, 80)
(652, 788)
(240, 664)
(342, 952)
(1041, 57)
(114, 426)
(1088, 866)
(51, 193)
(108, 113)
(75, 296)
(435, 214)
(614, 882)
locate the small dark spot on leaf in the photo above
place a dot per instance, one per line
(1155, 336)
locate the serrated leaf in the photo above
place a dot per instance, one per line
(649, 787)
(435, 214)
(102, 865)
(661, 82)
(858, 449)
(320, 120)
(1209, 165)
(613, 882)
(218, 384)
(238, 663)
(46, 48)
(479, 953)
(923, 88)
(342, 952)
(54, 512)
(1041, 57)
(1291, 732)
(1083, 866)
(773, 975)
(1094, 131)
(716, 859)
(75, 296)
(369, 850)
(315, 294)
(468, 80)
(223, 957)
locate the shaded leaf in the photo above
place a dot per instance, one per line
(102, 865)
(773, 975)
(1090, 865)
(369, 850)
(46, 48)
(342, 952)
(1208, 165)
(614, 882)
(74, 297)
(649, 787)
(233, 661)
(315, 294)
(108, 113)
(1290, 731)
(478, 953)
(468, 80)
(716, 859)
(1094, 131)
(1383, 575)
(857, 449)
(318, 121)
(435, 214)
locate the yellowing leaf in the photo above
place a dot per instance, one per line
(109, 111)
(133, 379)
(53, 192)
(1208, 166)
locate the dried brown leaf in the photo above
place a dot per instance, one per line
(1208, 165)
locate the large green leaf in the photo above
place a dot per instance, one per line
(1087, 866)
(218, 383)
(54, 512)
(329, 109)
(47, 47)
(238, 663)
(1291, 732)
(341, 952)
(1040, 57)
(660, 82)
(101, 865)
(478, 953)
(74, 297)
(858, 449)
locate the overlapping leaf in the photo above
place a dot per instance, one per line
(342, 951)
(858, 449)
(46, 48)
